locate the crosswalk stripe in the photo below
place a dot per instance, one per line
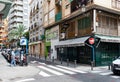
(95, 71)
(78, 71)
(42, 73)
(26, 80)
(42, 63)
(116, 77)
(66, 71)
(107, 73)
(50, 70)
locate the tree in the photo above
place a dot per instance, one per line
(17, 33)
(26, 35)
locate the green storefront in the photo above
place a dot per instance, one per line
(107, 50)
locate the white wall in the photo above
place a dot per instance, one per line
(54, 51)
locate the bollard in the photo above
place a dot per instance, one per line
(75, 63)
(92, 65)
(61, 60)
(67, 62)
(53, 59)
(45, 58)
(109, 66)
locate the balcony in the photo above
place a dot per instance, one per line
(58, 16)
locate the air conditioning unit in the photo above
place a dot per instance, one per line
(62, 35)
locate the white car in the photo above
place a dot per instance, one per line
(115, 67)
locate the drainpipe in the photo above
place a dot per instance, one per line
(94, 21)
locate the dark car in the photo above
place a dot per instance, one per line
(115, 67)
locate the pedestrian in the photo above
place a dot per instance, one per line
(13, 62)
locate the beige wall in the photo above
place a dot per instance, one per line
(49, 12)
(105, 3)
(65, 11)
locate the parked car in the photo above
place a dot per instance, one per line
(115, 67)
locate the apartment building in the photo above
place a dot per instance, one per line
(18, 14)
(36, 30)
(4, 9)
(70, 24)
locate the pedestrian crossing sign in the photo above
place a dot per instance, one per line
(23, 41)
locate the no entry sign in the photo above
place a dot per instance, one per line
(91, 40)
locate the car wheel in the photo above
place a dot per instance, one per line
(115, 72)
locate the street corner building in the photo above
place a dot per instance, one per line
(69, 25)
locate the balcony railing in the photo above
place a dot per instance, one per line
(58, 16)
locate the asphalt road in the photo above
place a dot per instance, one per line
(37, 71)
(58, 73)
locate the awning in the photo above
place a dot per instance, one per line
(72, 42)
(113, 39)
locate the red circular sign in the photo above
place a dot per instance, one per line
(91, 40)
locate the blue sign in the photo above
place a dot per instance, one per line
(23, 41)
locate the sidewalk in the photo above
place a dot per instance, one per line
(7, 73)
(82, 67)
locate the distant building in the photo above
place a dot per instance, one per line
(18, 15)
(36, 30)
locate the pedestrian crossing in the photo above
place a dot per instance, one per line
(58, 70)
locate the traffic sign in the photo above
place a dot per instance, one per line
(91, 41)
(23, 41)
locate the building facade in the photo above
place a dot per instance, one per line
(77, 22)
(4, 9)
(3, 34)
(36, 44)
(18, 15)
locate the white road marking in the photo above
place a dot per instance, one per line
(33, 61)
(50, 70)
(95, 71)
(42, 73)
(78, 71)
(59, 69)
(116, 77)
(107, 73)
(42, 63)
(25, 80)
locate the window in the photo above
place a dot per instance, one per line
(116, 4)
(84, 25)
(107, 24)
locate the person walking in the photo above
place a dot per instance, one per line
(13, 62)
